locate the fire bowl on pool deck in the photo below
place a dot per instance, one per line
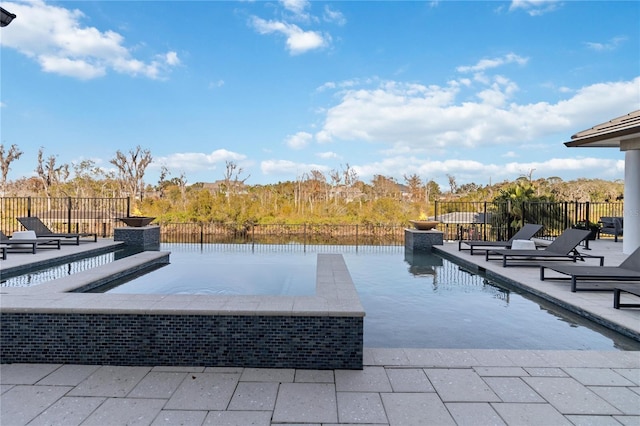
(424, 225)
(137, 221)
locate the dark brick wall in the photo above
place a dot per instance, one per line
(314, 342)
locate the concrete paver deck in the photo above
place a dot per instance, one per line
(396, 387)
(488, 390)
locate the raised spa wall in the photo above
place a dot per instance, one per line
(50, 323)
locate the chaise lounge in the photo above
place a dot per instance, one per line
(611, 226)
(524, 233)
(28, 244)
(562, 248)
(628, 270)
(41, 230)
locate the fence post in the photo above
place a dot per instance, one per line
(128, 206)
(29, 206)
(69, 215)
(509, 212)
(356, 237)
(587, 216)
(484, 227)
(588, 223)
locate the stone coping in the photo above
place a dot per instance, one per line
(335, 295)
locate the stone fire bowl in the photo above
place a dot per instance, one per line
(424, 225)
(137, 221)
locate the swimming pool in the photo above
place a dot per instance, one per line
(410, 300)
(218, 270)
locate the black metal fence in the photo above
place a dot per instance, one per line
(458, 220)
(499, 221)
(301, 235)
(66, 214)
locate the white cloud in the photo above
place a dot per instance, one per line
(297, 8)
(299, 141)
(327, 155)
(194, 161)
(216, 84)
(430, 117)
(535, 7)
(467, 171)
(486, 64)
(171, 58)
(57, 39)
(341, 85)
(610, 45)
(298, 41)
(286, 167)
(334, 16)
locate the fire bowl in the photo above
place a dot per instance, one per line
(137, 221)
(424, 225)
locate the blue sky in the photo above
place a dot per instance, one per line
(482, 91)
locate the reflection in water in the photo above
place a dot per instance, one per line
(422, 262)
(66, 268)
(451, 276)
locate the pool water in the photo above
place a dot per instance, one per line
(63, 268)
(428, 302)
(217, 270)
(420, 301)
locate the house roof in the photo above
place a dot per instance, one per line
(464, 217)
(621, 132)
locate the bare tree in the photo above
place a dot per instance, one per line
(384, 186)
(318, 186)
(232, 180)
(5, 162)
(415, 187)
(336, 178)
(453, 186)
(182, 184)
(350, 175)
(86, 177)
(49, 173)
(131, 168)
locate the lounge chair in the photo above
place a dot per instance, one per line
(628, 270)
(612, 226)
(524, 233)
(30, 244)
(627, 288)
(562, 248)
(41, 230)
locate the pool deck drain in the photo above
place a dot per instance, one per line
(396, 386)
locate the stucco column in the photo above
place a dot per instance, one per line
(631, 239)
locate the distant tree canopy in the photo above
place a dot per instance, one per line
(338, 196)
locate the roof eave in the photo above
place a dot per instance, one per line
(604, 140)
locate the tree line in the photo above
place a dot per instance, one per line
(338, 196)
